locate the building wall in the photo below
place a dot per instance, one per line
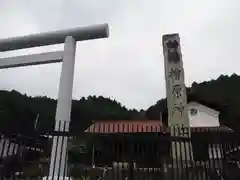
(204, 117)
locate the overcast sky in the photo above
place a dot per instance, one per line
(129, 65)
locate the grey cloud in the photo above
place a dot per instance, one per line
(129, 65)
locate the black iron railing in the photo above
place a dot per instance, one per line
(175, 153)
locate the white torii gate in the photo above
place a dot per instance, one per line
(67, 57)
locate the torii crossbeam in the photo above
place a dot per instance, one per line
(67, 57)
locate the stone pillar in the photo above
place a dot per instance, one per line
(175, 85)
(178, 120)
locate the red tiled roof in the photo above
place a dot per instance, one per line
(124, 126)
(136, 126)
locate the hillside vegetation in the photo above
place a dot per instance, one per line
(19, 111)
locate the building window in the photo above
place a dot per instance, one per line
(193, 111)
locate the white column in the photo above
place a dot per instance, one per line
(58, 164)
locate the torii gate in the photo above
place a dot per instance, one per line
(67, 57)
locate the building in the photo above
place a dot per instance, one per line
(148, 143)
(203, 119)
(122, 140)
(201, 115)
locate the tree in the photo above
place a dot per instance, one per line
(221, 93)
(18, 111)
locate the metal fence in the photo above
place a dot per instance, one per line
(133, 153)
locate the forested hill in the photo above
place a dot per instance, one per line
(19, 111)
(221, 94)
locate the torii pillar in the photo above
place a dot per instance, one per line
(176, 96)
(58, 164)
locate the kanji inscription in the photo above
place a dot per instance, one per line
(175, 74)
(177, 91)
(178, 108)
(173, 54)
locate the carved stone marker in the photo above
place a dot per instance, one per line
(178, 120)
(175, 85)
